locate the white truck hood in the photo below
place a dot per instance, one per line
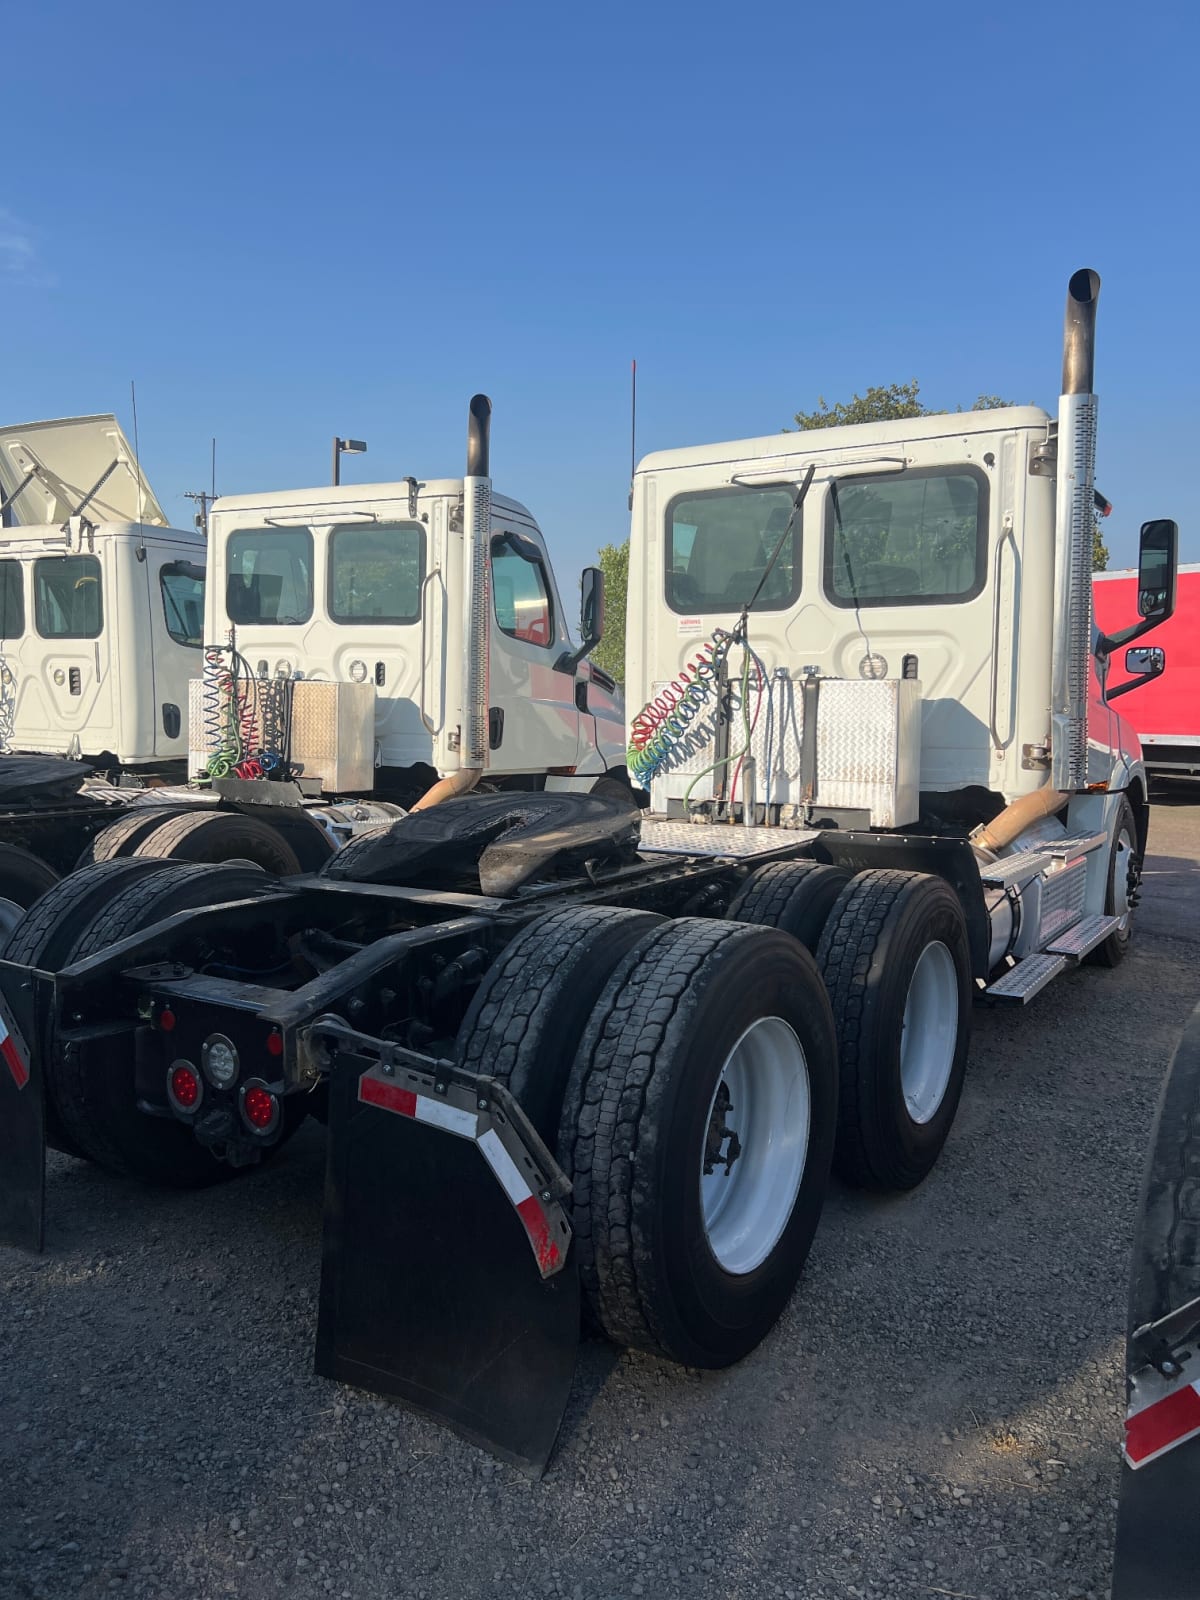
(67, 459)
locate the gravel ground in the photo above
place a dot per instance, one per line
(938, 1412)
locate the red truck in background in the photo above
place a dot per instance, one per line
(1166, 712)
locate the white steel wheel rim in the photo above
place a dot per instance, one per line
(1123, 858)
(746, 1209)
(929, 1032)
(10, 914)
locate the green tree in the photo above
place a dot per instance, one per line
(894, 401)
(609, 654)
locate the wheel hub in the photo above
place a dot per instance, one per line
(755, 1145)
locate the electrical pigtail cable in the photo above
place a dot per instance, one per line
(837, 517)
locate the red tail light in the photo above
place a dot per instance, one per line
(260, 1107)
(184, 1089)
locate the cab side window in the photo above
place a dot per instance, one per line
(520, 591)
(182, 585)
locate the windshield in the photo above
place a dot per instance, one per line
(718, 546)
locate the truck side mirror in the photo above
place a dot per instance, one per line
(591, 606)
(591, 620)
(1158, 561)
(1147, 662)
(1158, 566)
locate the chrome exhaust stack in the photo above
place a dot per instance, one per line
(1073, 523)
(468, 678)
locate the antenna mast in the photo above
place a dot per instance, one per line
(205, 497)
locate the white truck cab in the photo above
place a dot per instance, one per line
(101, 603)
(369, 585)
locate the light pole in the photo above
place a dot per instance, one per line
(350, 447)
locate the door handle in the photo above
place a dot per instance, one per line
(1006, 537)
(427, 720)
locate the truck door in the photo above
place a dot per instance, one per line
(534, 717)
(64, 691)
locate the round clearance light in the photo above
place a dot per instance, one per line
(358, 671)
(166, 1019)
(873, 666)
(220, 1061)
(184, 1089)
(260, 1108)
(59, 677)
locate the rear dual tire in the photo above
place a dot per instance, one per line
(651, 1017)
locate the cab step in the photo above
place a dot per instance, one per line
(1083, 937)
(1029, 977)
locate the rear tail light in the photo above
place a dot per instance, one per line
(184, 1088)
(260, 1107)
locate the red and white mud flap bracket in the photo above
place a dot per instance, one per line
(22, 1108)
(447, 1275)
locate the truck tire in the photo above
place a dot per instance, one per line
(691, 1265)
(46, 932)
(527, 1017)
(221, 836)
(308, 840)
(1124, 867)
(24, 878)
(98, 1112)
(121, 838)
(896, 963)
(796, 896)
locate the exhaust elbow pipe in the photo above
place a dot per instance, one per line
(479, 428)
(460, 782)
(1079, 332)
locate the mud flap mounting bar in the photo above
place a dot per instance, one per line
(22, 1113)
(447, 1277)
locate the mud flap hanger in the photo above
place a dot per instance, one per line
(448, 1278)
(24, 995)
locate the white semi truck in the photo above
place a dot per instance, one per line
(566, 1051)
(113, 660)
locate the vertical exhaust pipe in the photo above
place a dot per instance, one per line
(476, 569)
(1079, 332)
(1074, 512)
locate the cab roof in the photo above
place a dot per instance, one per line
(821, 442)
(351, 496)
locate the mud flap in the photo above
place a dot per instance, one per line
(1156, 1551)
(22, 1112)
(447, 1276)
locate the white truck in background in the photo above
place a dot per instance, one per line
(332, 629)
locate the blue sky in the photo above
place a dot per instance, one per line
(287, 221)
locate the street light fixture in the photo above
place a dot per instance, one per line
(350, 447)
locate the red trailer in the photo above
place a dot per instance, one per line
(1166, 712)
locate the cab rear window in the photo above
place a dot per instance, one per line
(376, 573)
(12, 600)
(719, 547)
(269, 576)
(68, 601)
(908, 539)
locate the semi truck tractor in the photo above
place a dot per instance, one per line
(568, 1051)
(116, 670)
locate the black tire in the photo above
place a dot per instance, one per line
(24, 877)
(215, 836)
(882, 925)
(308, 840)
(634, 1125)
(527, 1017)
(98, 1111)
(610, 788)
(1113, 950)
(121, 838)
(796, 896)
